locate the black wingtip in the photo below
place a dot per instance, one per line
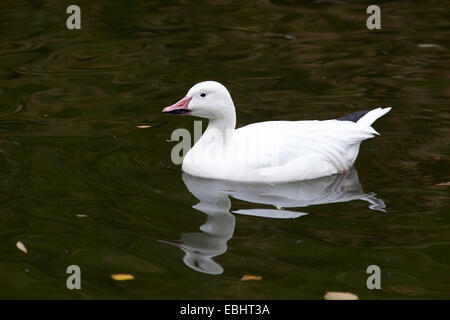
(354, 117)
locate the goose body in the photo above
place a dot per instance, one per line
(271, 151)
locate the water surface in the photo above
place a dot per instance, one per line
(70, 102)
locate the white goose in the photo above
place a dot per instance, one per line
(271, 151)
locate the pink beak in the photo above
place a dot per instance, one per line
(181, 107)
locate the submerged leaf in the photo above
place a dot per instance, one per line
(247, 277)
(143, 126)
(21, 246)
(340, 296)
(81, 215)
(443, 184)
(122, 276)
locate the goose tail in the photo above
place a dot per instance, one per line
(371, 116)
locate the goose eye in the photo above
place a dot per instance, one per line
(203, 95)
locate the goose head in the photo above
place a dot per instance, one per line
(208, 99)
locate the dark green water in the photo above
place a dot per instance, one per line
(70, 102)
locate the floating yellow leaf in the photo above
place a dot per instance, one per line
(122, 277)
(247, 277)
(443, 184)
(21, 246)
(81, 215)
(143, 126)
(340, 296)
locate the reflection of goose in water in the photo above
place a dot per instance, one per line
(201, 247)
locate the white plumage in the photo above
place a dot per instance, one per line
(272, 151)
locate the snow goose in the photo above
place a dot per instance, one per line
(271, 151)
